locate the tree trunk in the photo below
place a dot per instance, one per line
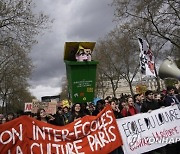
(6, 107)
(113, 88)
(157, 80)
(131, 89)
(3, 104)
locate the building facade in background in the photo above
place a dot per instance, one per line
(50, 98)
(123, 87)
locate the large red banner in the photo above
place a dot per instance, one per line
(90, 134)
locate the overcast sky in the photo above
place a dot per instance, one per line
(75, 20)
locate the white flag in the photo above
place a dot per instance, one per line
(146, 58)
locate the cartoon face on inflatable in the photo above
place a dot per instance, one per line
(83, 54)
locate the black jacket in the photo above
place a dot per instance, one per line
(59, 120)
(149, 105)
(172, 99)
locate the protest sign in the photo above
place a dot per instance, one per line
(49, 107)
(90, 134)
(27, 107)
(148, 131)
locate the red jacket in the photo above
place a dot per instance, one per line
(129, 112)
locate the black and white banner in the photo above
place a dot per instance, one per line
(146, 58)
(144, 132)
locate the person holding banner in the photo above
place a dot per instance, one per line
(76, 112)
(91, 108)
(4, 120)
(117, 115)
(10, 116)
(1, 117)
(172, 99)
(67, 114)
(42, 116)
(148, 105)
(60, 119)
(99, 107)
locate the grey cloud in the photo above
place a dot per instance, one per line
(93, 21)
(75, 20)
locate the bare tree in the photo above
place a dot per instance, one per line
(13, 72)
(156, 21)
(102, 85)
(126, 51)
(107, 67)
(18, 27)
(118, 57)
(162, 17)
(19, 24)
(64, 88)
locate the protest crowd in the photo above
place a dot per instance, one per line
(124, 106)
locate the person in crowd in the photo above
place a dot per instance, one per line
(141, 95)
(60, 104)
(115, 109)
(159, 99)
(60, 119)
(1, 117)
(122, 103)
(85, 108)
(163, 97)
(99, 107)
(171, 97)
(115, 100)
(107, 100)
(4, 120)
(42, 116)
(67, 114)
(138, 102)
(10, 116)
(121, 95)
(149, 103)
(117, 115)
(76, 112)
(29, 114)
(91, 108)
(129, 109)
(34, 115)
